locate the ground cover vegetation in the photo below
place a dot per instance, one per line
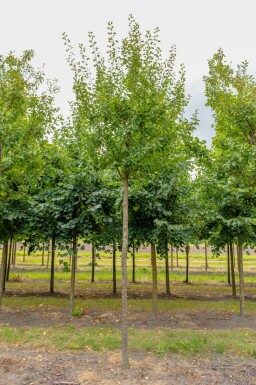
(126, 172)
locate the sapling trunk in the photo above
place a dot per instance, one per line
(228, 264)
(73, 275)
(52, 265)
(24, 254)
(3, 270)
(187, 263)
(133, 261)
(48, 257)
(154, 278)
(43, 254)
(167, 274)
(241, 278)
(14, 246)
(125, 358)
(114, 268)
(171, 258)
(93, 263)
(206, 256)
(177, 257)
(232, 266)
(7, 276)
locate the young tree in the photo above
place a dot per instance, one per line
(129, 110)
(27, 117)
(231, 95)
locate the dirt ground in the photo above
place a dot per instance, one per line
(23, 366)
(174, 319)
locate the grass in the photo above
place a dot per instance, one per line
(143, 305)
(240, 343)
(31, 277)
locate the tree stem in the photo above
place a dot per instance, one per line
(125, 358)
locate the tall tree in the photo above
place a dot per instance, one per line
(231, 95)
(129, 109)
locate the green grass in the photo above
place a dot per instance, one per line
(164, 305)
(143, 274)
(241, 343)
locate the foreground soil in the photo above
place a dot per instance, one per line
(29, 366)
(25, 367)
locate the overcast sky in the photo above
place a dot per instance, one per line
(197, 28)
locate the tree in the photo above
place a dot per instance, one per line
(231, 95)
(27, 117)
(129, 110)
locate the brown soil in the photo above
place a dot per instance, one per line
(23, 366)
(175, 319)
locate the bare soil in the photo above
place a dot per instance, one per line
(23, 366)
(186, 319)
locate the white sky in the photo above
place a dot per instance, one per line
(197, 28)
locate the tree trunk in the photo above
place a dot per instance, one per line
(3, 270)
(93, 263)
(7, 276)
(228, 264)
(154, 278)
(241, 278)
(73, 275)
(114, 268)
(133, 261)
(24, 254)
(206, 256)
(234, 254)
(52, 266)
(232, 265)
(177, 257)
(125, 358)
(48, 256)
(171, 258)
(187, 263)
(167, 276)
(43, 254)
(14, 246)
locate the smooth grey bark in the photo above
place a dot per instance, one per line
(114, 267)
(133, 261)
(3, 270)
(241, 278)
(52, 265)
(232, 266)
(43, 254)
(93, 262)
(24, 254)
(48, 257)
(154, 278)
(206, 256)
(171, 258)
(73, 276)
(187, 263)
(7, 275)
(228, 265)
(167, 274)
(177, 257)
(125, 357)
(14, 248)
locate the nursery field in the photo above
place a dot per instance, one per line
(197, 337)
